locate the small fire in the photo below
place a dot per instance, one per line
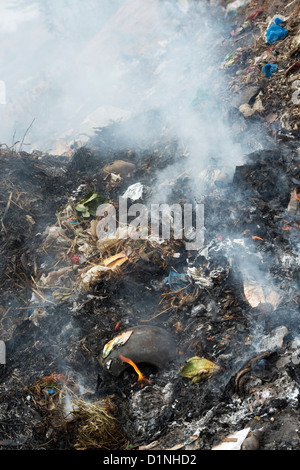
(296, 195)
(287, 226)
(254, 237)
(141, 378)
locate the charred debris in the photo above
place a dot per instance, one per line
(141, 344)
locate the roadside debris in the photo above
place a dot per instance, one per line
(296, 93)
(117, 341)
(248, 111)
(254, 15)
(177, 281)
(275, 340)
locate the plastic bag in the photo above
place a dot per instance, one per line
(268, 69)
(275, 32)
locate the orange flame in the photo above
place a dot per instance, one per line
(141, 378)
(287, 226)
(257, 238)
(296, 195)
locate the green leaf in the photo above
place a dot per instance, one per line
(89, 204)
(80, 208)
(89, 197)
(198, 368)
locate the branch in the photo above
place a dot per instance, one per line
(26, 134)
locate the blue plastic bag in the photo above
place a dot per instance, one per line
(268, 69)
(275, 32)
(177, 281)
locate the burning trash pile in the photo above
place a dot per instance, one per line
(141, 336)
(125, 329)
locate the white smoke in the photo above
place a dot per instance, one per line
(72, 66)
(12, 19)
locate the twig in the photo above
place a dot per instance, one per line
(157, 315)
(20, 207)
(27, 308)
(289, 4)
(5, 212)
(25, 386)
(26, 134)
(40, 295)
(9, 148)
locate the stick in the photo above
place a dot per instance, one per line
(5, 212)
(26, 134)
(157, 315)
(289, 4)
(40, 295)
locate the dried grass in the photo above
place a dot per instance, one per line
(97, 427)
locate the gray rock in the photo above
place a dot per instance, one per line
(247, 95)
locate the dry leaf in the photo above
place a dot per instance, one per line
(254, 294)
(116, 341)
(115, 261)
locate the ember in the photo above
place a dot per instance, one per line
(286, 227)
